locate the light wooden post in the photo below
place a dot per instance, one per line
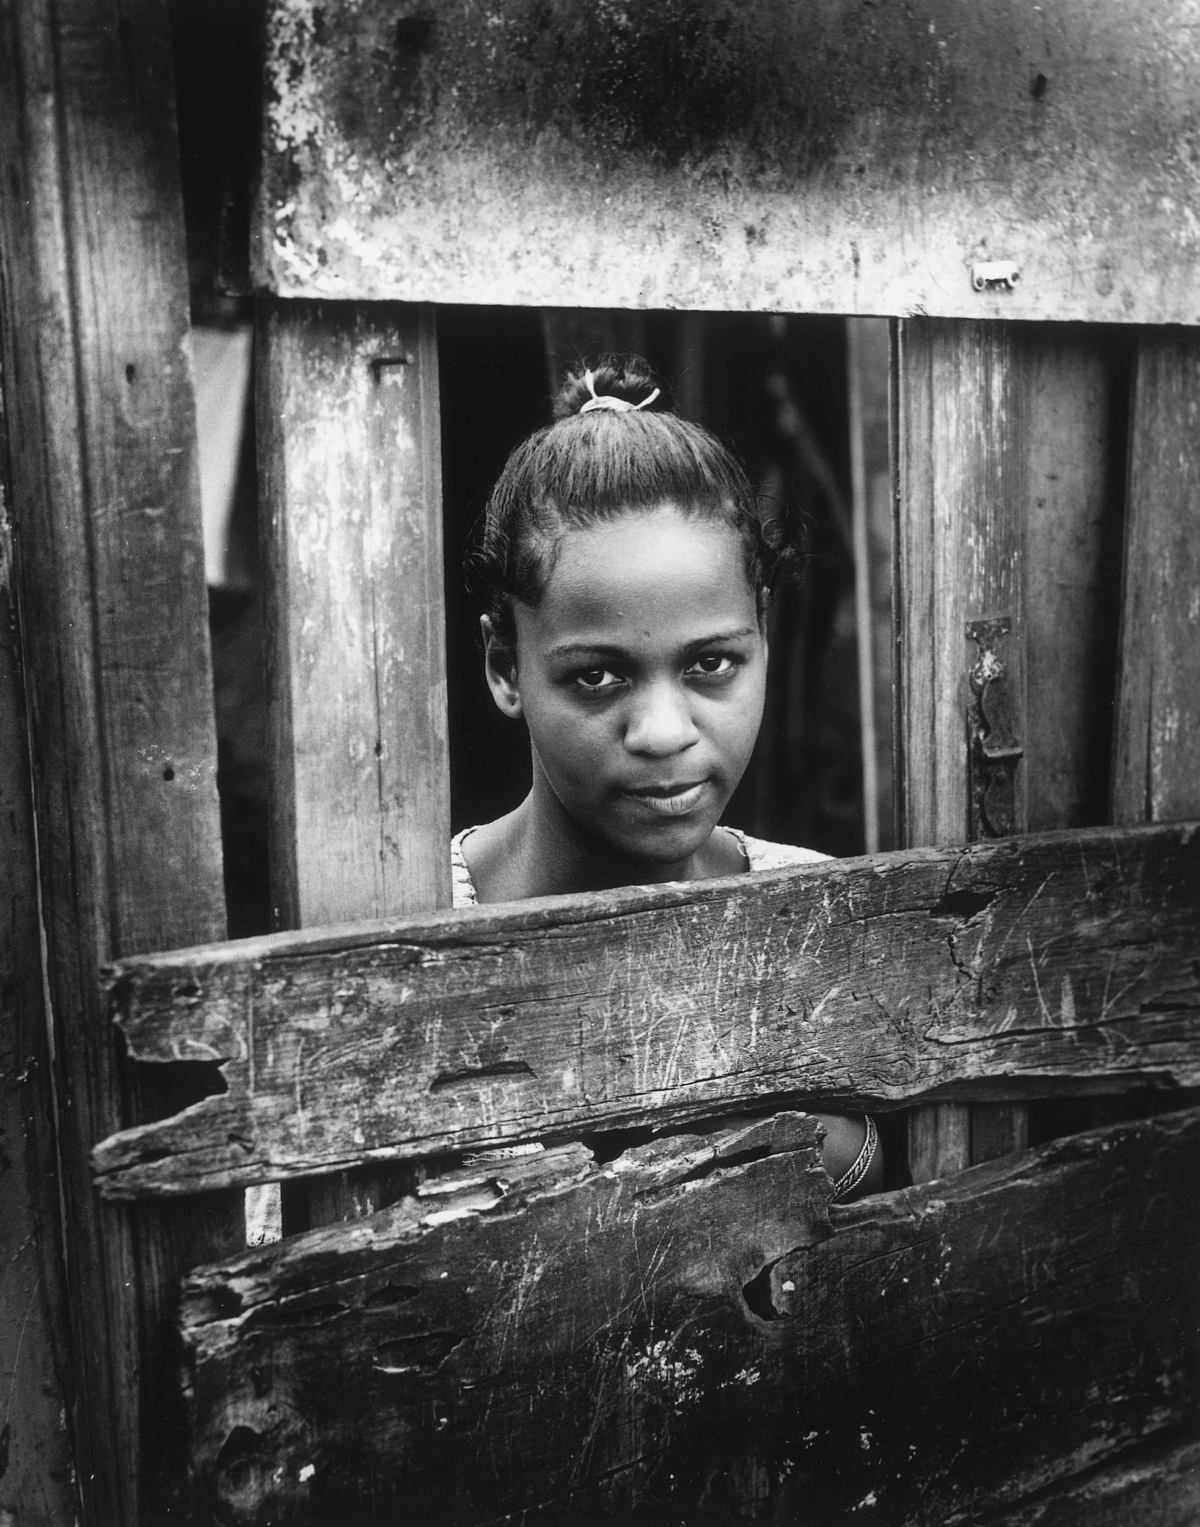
(110, 585)
(350, 474)
(1009, 499)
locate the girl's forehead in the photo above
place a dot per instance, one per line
(646, 569)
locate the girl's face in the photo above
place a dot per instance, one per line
(641, 678)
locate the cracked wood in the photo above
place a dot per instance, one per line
(1002, 969)
(677, 1334)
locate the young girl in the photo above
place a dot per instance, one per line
(623, 570)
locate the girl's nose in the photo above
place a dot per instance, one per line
(661, 722)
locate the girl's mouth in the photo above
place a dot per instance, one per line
(670, 800)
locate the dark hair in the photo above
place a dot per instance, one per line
(594, 467)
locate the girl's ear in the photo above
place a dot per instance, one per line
(500, 665)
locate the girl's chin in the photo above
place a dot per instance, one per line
(671, 841)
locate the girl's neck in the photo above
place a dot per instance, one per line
(540, 850)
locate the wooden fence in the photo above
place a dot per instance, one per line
(670, 1329)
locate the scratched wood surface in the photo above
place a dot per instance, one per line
(676, 1335)
(1155, 776)
(109, 575)
(999, 968)
(841, 158)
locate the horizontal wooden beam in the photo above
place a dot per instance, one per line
(1000, 969)
(688, 1332)
(974, 161)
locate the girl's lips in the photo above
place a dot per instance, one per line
(670, 801)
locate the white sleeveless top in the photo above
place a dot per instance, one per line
(760, 855)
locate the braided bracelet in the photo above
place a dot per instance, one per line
(859, 1167)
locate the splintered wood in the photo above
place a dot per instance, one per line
(681, 1333)
(1002, 969)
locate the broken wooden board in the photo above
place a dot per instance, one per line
(1154, 1486)
(1005, 969)
(736, 154)
(676, 1335)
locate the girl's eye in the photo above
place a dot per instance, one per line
(596, 679)
(714, 665)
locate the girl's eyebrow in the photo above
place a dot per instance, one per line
(609, 649)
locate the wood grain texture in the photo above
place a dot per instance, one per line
(843, 158)
(962, 449)
(36, 1489)
(676, 1335)
(109, 576)
(1077, 381)
(1155, 775)
(349, 466)
(359, 771)
(960, 543)
(995, 970)
(1010, 495)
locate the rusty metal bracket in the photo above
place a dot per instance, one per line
(993, 724)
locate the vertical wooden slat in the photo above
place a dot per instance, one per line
(959, 544)
(867, 365)
(35, 1484)
(1156, 770)
(349, 451)
(1009, 462)
(1074, 379)
(109, 577)
(1077, 379)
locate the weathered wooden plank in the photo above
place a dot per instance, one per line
(351, 486)
(989, 970)
(35, 1480)
(962, 441)
(109, 576)
(1010, 478)
(676, 1337)
(843, 158)
(359, 773)
(1155, 1486)
(1155, 777)
(1077, 382)
(962, 448)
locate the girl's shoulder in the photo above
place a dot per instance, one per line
(762, 855)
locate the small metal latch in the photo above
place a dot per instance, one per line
(993, 749)
(386, 366)
(996, 273)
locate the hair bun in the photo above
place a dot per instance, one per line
(627, 377)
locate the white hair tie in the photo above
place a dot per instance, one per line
(606, 400)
